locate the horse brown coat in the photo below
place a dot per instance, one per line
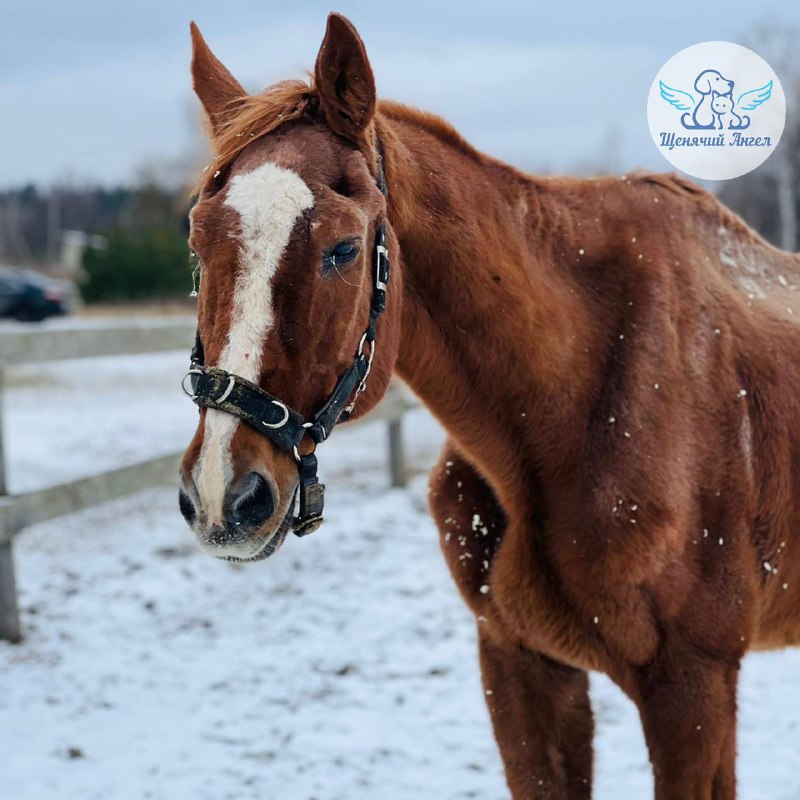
(616, 364)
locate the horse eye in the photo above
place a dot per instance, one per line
(340, 254)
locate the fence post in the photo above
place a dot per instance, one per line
(397, 456)
(9, 613)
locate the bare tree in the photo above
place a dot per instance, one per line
(768, 198)
(780, 46)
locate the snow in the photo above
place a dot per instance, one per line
(71, 323)
(343, 667)
(72, 418)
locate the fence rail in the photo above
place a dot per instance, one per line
(57, 344)
(22, 510)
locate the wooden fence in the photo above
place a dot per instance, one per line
(26, 346)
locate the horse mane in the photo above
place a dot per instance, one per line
(432, 123)
(255, 116)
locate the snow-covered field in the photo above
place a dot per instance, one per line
(343, 668)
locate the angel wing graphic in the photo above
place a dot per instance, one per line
(749, 101)
(681, 100)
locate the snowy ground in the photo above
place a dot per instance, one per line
(342, 668)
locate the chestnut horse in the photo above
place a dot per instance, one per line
(616, 362)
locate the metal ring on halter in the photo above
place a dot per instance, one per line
(371, 355)
(369, 360)
(183, 382)
(362, 384)
(283, 421)
(294, 448)
(228, 390)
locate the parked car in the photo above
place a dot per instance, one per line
(31, 297)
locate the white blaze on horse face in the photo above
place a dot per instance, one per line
(269, 200)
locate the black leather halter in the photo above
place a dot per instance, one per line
(215, 388)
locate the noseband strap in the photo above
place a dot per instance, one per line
(212, 387)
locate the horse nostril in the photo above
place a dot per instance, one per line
(252, 502)
(186, 506)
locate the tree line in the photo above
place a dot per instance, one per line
(143, 228)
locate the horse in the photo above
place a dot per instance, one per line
(615, 362)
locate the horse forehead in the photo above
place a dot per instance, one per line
(268, 199)
(313, 154)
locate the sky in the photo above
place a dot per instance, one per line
(96, 90)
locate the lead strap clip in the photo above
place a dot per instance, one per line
(311, 496)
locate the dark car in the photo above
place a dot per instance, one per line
(30, 297)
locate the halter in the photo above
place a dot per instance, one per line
(215, 388)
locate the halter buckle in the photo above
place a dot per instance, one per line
(381, 273)
(362, 384)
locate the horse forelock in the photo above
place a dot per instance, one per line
(254, 116)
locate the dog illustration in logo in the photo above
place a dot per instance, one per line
(707, 83)
(714, 90)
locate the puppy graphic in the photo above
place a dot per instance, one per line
(707, 83)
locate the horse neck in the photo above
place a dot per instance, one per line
(493, 339)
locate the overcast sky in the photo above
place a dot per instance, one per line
(92, 90)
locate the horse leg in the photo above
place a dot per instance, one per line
(542, 721)
(687, 703)
(540, 709)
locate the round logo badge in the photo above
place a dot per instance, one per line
(716, 110)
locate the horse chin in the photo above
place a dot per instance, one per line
(271, 545)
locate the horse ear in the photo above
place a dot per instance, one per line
(214, 85)
(344, 80)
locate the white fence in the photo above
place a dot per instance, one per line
(22, 510)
